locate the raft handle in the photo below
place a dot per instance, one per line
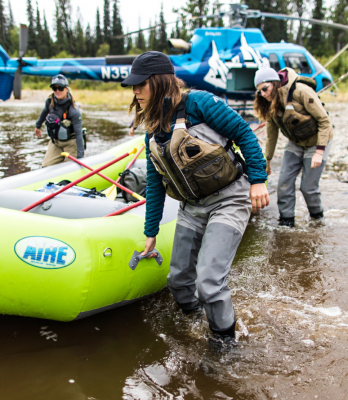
(137, 257)
(105, 254)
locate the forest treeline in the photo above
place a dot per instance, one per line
(71, 39)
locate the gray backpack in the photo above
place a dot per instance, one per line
(133, 179)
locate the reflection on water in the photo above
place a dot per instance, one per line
(289, 289)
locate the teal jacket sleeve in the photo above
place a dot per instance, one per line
(155, 196)
(212, 110)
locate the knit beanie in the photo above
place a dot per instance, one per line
(266, 74)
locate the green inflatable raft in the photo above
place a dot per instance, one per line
(64, 260)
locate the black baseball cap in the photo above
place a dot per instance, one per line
(59, 80)
(147, 64)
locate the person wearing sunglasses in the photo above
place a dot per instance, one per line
(291, 105)
(63, 122)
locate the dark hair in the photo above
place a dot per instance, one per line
(161, 86)
(265, 109)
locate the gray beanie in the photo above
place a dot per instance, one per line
(266, 74)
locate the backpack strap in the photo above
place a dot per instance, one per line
(291, 92)
(181, 108)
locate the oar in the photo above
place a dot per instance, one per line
(124, 209)
(63, 189)
(137, 196)
(111, 192)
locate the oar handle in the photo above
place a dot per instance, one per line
(63, 189)
(133, 160)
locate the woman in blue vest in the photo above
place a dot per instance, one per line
(210, 229)
(64, 123)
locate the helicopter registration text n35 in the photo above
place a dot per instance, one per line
(115, 72)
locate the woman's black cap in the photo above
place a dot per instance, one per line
(59, 80)
(147, 64)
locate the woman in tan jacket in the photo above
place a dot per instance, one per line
(295, 109)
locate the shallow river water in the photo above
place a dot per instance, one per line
(289, 288)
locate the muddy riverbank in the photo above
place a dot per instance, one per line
(289, 288)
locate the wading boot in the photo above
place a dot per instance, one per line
(317, 215)
(290, 222)
(188, 309)
(225, 338)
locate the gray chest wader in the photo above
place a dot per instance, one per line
(296, 126)
(193, 168)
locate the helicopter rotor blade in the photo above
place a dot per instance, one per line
(243, 13)
(219, 15)
(23, 40)
(17, 84)
(292, 17)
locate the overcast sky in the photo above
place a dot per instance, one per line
(131, 11)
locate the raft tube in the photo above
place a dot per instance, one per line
(64, 260)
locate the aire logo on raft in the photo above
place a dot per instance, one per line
(44, 252)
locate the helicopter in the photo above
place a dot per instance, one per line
(220, 60)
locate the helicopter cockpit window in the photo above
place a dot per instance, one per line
(274, 62)
(298, 62)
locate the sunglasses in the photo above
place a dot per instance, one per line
(60, 88)
(264, 89)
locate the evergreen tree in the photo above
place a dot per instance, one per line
(3, 25)
(90, 47)
(61, 41)
(64, 12)
(129, 44)
(215, 22)
(339, 14)
(80, 39)
(38, 31)
(46, 40)
(10, 24)
(196, 8)
(107, 22)
(141, 45)
(140, 42)
(117, 44)
(13, 38)
(273, 29)
(10, 44)
(98, 31)
(31, 27)
(153, 42)
(181, 30)
(316, 41)
(162, 34)
(104, 50)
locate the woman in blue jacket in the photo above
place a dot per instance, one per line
(210, 229)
